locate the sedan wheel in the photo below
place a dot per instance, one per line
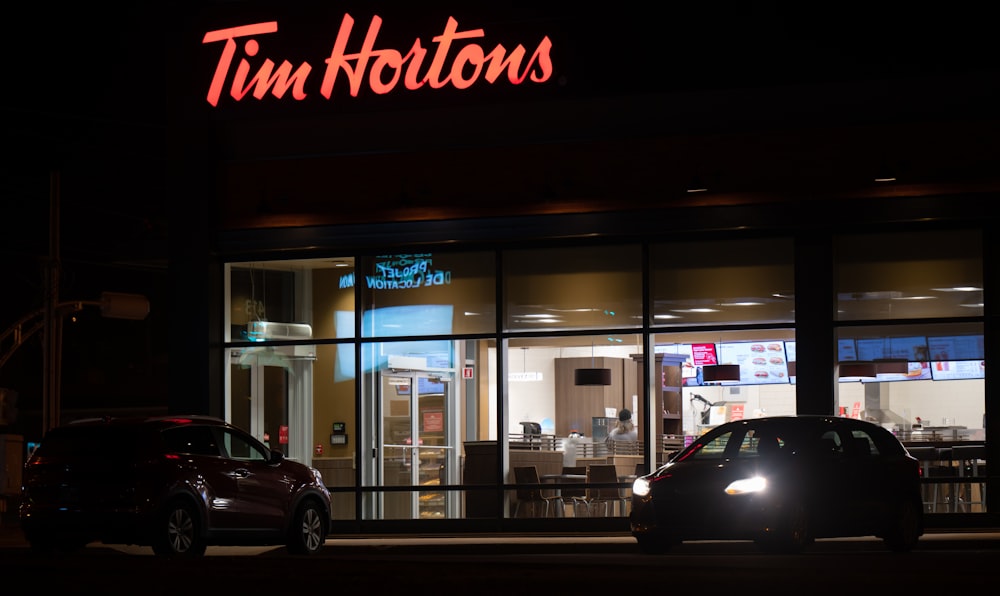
(902, 535)
(178, 534)
(791, 535)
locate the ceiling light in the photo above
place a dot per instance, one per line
(857, 371)
(593, 375)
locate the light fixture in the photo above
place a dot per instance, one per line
(857, 371)
(720, 372)
(697, 185)
(592, 376)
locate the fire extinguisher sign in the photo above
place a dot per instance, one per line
(467, 372)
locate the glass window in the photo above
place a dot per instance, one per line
(292, 299)
(928, 376)
(762, 382)
(911, 275)
(429, 294)
(573, 288)
(722, 282)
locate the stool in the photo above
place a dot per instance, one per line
(968, 457)
(926, 456)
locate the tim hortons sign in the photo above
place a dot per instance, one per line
(452, 58)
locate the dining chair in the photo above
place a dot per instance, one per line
(604, 497)
(575, 497)
(529, 493)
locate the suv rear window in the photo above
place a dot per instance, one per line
(87, 442)
(192, 440)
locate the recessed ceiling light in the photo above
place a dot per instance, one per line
(959, 289)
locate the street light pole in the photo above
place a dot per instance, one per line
(53, 321)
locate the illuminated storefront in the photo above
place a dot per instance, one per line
(413, 258)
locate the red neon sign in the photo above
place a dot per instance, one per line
(382, 69)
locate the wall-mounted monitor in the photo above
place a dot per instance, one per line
(954, 370)
(761, 362)
(956, 347)
(913, 349)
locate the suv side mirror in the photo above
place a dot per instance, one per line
(276, 456)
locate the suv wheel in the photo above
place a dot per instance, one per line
(178, 532)
(308, 531)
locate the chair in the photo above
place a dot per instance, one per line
(528, 491)
(577, 497)
(968, 457)
(605, 497)
(927, 456)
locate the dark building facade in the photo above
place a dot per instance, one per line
(405, 227)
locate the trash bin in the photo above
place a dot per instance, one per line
(481, 463)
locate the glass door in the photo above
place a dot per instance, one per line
(271, 397)
(418, 447)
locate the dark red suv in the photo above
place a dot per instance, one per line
(177, 484)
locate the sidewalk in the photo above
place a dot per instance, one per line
(11, 537)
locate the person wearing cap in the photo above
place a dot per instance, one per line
(624, 430)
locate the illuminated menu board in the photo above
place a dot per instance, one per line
(761, 363)
(902, 348)
(956, 347)
(954, 370)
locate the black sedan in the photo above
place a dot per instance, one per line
(782, 482)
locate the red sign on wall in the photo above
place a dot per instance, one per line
(433, 421)
(283, 434)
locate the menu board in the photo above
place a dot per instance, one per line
(901, 348)
(846, 350)
(761, 363)
(952, 370)
(915, 371)
(790, 356)
(956, 347)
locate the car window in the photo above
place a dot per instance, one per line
(240, 447)
(712, 449)
(194, 440)
(863, 445)
(86, 442)
(830, 443)
(756, 443)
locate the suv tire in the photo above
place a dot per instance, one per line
(308, 530)
(178, 532)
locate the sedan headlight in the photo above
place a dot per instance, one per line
(747, 486)
(640, 487)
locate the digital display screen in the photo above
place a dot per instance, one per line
(953, 370)
(761, 362)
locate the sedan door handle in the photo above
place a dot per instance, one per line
(240, 473)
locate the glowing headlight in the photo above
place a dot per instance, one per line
(747, 486)
(640, 487)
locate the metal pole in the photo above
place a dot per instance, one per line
(53, 322)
